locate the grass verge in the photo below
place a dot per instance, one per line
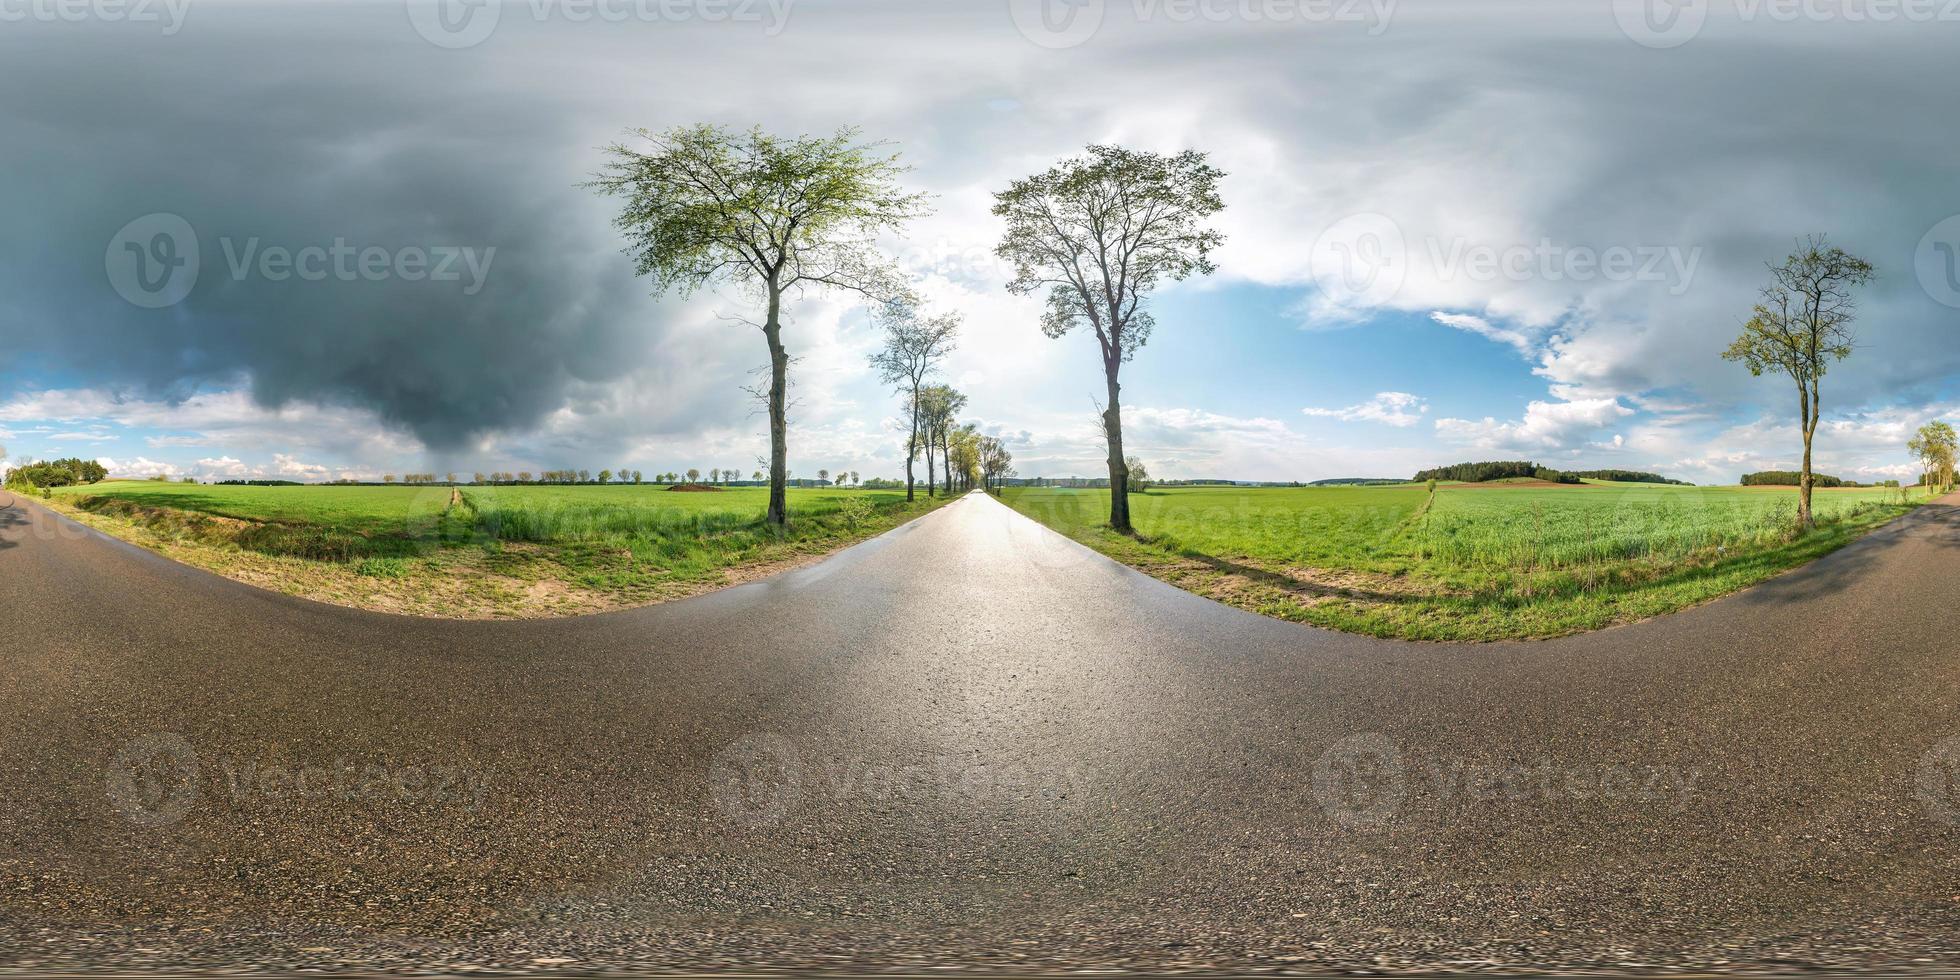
(488, 552)
(1463, 565)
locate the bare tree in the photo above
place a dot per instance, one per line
(913, 348)
(1802, 324)
(823, 476)
(693, 476)
(1099, 232)
(774, 215)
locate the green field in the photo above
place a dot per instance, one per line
(1475, 561)
(490, 551)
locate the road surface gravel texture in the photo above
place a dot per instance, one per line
(970, 744)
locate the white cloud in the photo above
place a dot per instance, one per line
(1387, 407)
(1546, 426)
(140, 468)
(1483, 328)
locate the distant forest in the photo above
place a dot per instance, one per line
(1525, 469)
(1357, 481)
(1788, 478)
(1507, 470)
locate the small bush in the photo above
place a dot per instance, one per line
(382, 568)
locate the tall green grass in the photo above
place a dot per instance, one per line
(1464, 554)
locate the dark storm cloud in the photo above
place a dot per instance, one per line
(304, 133)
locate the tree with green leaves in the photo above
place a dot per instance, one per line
(946, 409)
(914, 345)
(772, 215)
(1099, 232)
(1801, 324)
(1935, 446)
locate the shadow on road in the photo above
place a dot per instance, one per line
(1841, 569)
(12, 515)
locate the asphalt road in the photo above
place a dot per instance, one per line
(970, 743)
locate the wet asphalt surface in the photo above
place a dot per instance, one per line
(970, 745)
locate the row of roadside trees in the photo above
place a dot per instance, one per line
(779, 217)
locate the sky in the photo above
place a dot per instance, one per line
(338, 240)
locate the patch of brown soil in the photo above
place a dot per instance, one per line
(693, 488)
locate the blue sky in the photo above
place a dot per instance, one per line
(1424, 212)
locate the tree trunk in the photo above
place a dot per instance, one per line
(946, 459)
(1809, 404)
(1119, 471)
(912, 445)
(931, 481)
(778, 414)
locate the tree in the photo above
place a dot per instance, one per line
(995, 461)
(1100, 232)
(757, 476)
(714, 475)
(1138, 478)
(478, 477)
(943, 405)
(774, 215)
(637, 479)
(823, 475)
(913, 348)
(389, 478)
(524, 477)
(1935, 445)
(933, 408)
(693, 476)
(854, 478)
(1802, 324)
(605, 476)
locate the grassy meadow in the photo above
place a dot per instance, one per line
(483, 552)
(1488, 561)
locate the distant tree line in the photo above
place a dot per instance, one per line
(1793, 478)
(1628, 476)
(1503, 470)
